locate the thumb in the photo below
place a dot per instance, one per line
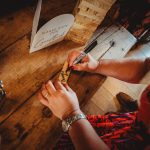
(80, 67)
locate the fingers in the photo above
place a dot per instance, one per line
(81, 66)
(50, 87)
(85, 59)
(72, 56)
(42, 99)
(45, 93)
(68, 88)
(59, 86)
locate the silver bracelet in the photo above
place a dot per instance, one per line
(68, 122)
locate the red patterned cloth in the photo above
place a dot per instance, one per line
(123, 131)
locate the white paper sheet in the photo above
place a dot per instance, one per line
(52, 32)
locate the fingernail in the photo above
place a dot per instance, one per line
(49, 81)
(71, 67)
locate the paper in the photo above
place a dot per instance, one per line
(65, 73)
(52, 32)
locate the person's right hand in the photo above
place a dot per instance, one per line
(88, 63)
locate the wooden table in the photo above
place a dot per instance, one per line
(24, 122)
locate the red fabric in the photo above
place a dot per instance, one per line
(123, 131)
(144, 110)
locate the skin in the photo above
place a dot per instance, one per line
(55, 95)
(62, 95)
(128, 70)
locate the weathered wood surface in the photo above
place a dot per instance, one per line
(23, 73)
(88, 16)
(16, 25)
(29, 124)
(22, 123)
(22, 119)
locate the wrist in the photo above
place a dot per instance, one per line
(71, 119)
(71, 113)
(97, 67)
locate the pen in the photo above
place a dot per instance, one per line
(87, 50)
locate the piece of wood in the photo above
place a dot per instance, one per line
(88, 16)
(29, 124)
(103, 98)
(92, 108)
(21, 83)
(122, 39)
(18, 24)
(64, 74)
(24, 122)
(23, 73)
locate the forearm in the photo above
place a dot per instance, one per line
(129, 70)
(84, 137)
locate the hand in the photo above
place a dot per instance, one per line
(61, 99)
(88, 63)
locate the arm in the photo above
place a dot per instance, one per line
(129, 70)
(84, 137)
(81, 132)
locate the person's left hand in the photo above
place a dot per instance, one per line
(61, 99)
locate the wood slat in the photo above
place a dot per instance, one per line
(91, 12)
(16, 25)
(92, 108)
(22, 119)
(105, 100)
(23, 73)
(123, 42)
(29, 124)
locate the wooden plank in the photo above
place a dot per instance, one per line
(18, 130)
(16, 25)
(114, 86)
(123, 42)
(88, 16)
(105, 100)
(65, 73)
(8, 7)
(108, 32)
(28, 123)
(23, 73)
(141, 51)
(92, 108)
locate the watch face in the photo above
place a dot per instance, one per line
(64, 126)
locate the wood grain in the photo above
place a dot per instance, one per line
(24, 122)
(22, 118)
(23, 73)
(65, 73)
(29, 124)
(16, 25)
(88, 16)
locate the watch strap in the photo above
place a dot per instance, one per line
(68, 122)
(72, 119)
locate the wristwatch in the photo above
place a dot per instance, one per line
(68, 122)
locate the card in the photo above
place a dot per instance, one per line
(50, 33)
